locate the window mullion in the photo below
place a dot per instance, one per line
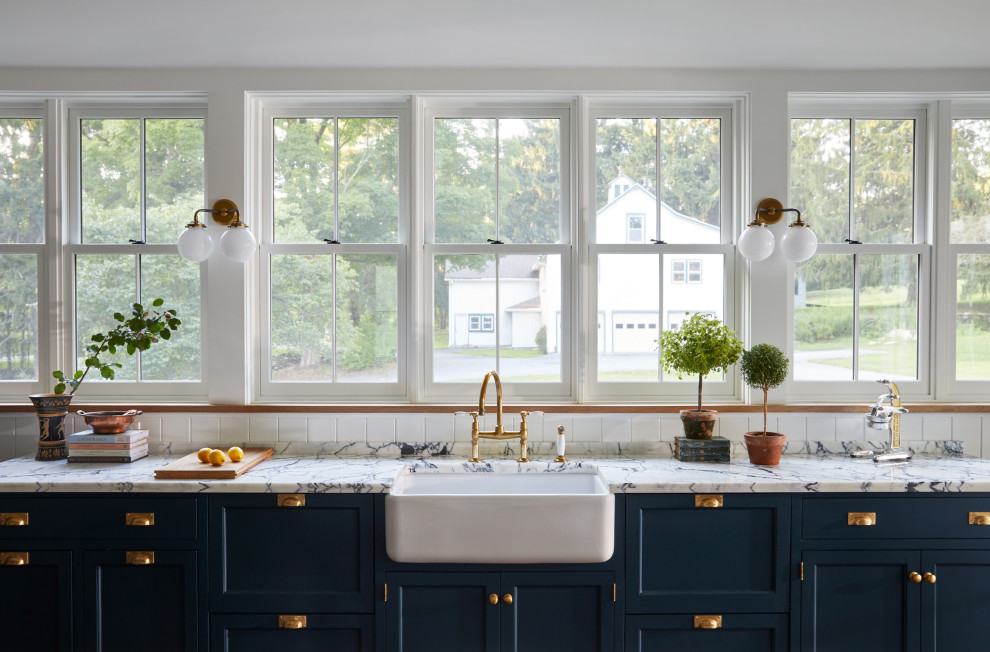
(852, 180)
(336, 194)
(856, 335)
(333, 314)
(143, 176)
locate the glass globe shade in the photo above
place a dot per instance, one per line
(195, 244)
(756, 243)
(799, 243)
(238, 243)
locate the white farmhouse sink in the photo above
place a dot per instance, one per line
(511, 514)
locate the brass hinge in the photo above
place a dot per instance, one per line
(386, 593)
(802, 571)
(613, 591)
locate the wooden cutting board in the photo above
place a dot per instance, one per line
(190, 468)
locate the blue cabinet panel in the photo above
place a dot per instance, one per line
(315, 558)
(938, 516)
(35, 601)
(101, 517)
(261, 633)
(738, 633)
(680, 557)
(956, 606)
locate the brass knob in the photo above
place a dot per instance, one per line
(707, 622)
(139, 558)
(507, 598)
(14, 558)
(292, 622)
(493, 598)
(930, 578)
(915, 577)
(291, 500)
(14, 519)
(139, 519)
(861, 518)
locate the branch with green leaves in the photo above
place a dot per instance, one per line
(138, 333)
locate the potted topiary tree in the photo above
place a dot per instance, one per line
(701, 345)
(764, 367)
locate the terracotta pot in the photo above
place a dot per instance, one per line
(51, 409)
(763, 449)
(699, 424)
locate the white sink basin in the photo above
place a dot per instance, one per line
(499, 514)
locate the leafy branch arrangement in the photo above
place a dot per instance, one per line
(764, 367)
(701, 345)
(144, 328)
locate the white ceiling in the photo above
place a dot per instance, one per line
(777, 34)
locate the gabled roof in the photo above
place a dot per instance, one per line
(665, 209)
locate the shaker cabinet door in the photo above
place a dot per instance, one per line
(35, 601)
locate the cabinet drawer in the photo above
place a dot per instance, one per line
(735, 633)
(896, 517)
(265, 632)
(137, 518)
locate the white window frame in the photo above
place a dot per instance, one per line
(501, 108)
(856, 390)
(727, 111)
(45, 269)
(355, 107)
(123, 389)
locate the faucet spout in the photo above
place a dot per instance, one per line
(498, 399)
(499, 432)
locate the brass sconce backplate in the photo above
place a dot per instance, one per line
(763, 211)
(227, 212)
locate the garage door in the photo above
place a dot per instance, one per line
(635, 332)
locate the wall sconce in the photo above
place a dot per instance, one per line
(237, 243)
(756, 242)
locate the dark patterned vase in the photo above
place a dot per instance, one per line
(51, 409)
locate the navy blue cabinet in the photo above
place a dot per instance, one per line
(699, 633)
(954, 606)
(291, 633)
(35, 600)
(510, 611)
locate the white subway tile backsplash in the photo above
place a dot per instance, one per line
(7, 426)
(292, 429)
(756, 423)
(937, 428)
(234, 430)
(410, 428)
(821, 428)
(352, 428)
(263, 430)
(586, 428)
(25, 426)
(441, 427)
(7, 447)
(850, 428)
(153, 425)
(969, 431)
(732, 426)
(616, 429)
(796, 428)
(912, 427)
(381, 429)
(204, 429)
(671, 427)
(321, 429)
(175, 429)
(550, 424)
(644, 428)
(25, 445)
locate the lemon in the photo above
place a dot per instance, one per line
(235, 453)
(204, 454)
(217, 457)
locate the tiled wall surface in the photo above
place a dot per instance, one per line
(19, 434)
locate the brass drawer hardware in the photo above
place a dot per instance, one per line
(292, 622)
(291, 500)
(915, 577)
(14, 518)
(14, 559)
(930, 578)
(507, 598)
(493, 598)
(979, 518)
(386, 593)
(139, 518)
(707, 622)
(861, 518)
(708, 500)
(802, 571)
(139, 557)
(613, 591)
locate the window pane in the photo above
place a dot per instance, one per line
(820, 175)
(304, 179)
(702, 289)
(105, 284)
(368, 180)
(625, 177)
(529, 180)
(823, 318)
(367, 318)
(302, 317)
(463, 285)
(175, 280)
(970, 190)
(884, 203)
(973, 317)
(888, 317)
(22, 187)
(628, 317)
(464, 179)
(690, 180)
(529, 318)
(18, 317)
(111, 181)
(174, 174)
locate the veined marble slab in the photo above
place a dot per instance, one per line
(348, 474)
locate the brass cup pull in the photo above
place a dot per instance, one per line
(861, 518)
(292, 622)
(930, 578)
(291, 500)
(979, 518)
(139, 519)
(507, 598)
(707, 622)
(915, 577)
(139, 558)
(14, 559)
(14, 519)
(708, 500)
(493, 598)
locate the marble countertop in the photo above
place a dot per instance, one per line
(300, 474)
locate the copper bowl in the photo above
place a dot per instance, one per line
(110, 422)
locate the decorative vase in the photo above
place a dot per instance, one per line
(699, 424)
(765, 449)
(51, 409)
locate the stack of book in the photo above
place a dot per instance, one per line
(86, 446)
(715, 449)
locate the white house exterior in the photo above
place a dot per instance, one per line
(629, 311)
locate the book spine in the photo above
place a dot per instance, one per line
(124, 437)
(107, 445)
(108, 453)
(100, 459)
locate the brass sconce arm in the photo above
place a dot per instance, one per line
(770, 211)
